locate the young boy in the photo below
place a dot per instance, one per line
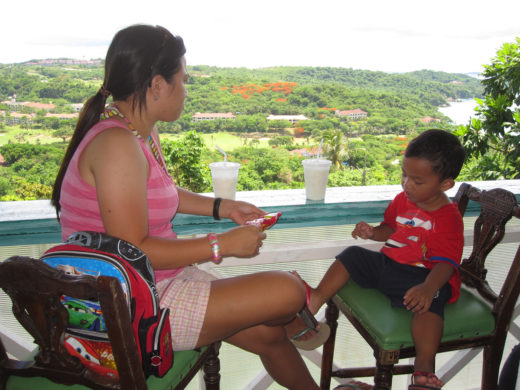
(418, 265)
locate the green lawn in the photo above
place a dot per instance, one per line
(226, 141)
(18, 135)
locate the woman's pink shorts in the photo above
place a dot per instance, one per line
(187, 295)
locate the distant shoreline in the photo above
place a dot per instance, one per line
(460, 112)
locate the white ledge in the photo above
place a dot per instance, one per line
(42, 209)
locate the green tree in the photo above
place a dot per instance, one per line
(64, 133)
(494, 135)
(281, 140)
(334, 148)
(184, 162)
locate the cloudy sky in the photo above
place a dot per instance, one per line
(391, 36)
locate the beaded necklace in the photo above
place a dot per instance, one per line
(111, 111)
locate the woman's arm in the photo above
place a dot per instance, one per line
(119, 170)
(239, 212)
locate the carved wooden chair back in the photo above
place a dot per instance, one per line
(479, 319)
(35, 290)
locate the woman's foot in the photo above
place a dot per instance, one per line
(313, 299)
(309, 339)
(304, 331)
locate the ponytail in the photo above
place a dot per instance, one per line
(88, 117)
(136, 54)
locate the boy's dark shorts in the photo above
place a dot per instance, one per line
(372, 269)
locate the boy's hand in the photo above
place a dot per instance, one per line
(419, 298)
(363, 230)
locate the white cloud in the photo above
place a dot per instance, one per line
(399, 35)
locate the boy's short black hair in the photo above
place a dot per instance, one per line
(442, 149)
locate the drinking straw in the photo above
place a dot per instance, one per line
(319, 149)
(221, 151)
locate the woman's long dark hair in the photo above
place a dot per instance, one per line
(136, 55)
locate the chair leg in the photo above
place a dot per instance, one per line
(491, 366)
(211, 368)
(331, 316)
(383, 376)
(3, 361)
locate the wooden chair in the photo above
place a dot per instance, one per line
(478, 319)
(35, 289)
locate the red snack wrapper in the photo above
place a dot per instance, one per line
(266, 221)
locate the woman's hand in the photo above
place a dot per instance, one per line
(242, 241)
(238, 211)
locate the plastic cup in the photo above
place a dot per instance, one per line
(316, 174)
(224, 175)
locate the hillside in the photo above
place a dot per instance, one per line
(393, 108)
(75, 81)
(395, 103)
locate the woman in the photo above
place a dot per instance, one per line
(113, 179)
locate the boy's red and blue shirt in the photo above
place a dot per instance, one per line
(424, 238)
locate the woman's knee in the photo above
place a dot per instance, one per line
(290, 290)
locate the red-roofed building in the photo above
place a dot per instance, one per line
(15, 118)
(305, 152)
(352, 114)
(62, 116)
(428, 119)
(40, 106)
(14, 105)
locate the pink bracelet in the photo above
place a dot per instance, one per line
(216, 257)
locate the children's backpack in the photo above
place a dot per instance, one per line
(97, 254)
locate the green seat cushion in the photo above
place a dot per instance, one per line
(183, 361)
(469, 316)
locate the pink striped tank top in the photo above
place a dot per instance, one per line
(79, 203)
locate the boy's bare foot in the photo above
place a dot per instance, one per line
(422, 380)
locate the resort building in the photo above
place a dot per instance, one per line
(429, 119)
(211, 116)
(352, 114)
(291, 118)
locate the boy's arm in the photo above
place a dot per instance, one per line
(383, 232)
(419, 298)
(368, 232)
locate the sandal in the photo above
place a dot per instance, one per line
(305, 314)
(415, 386)
(322, 335)
(322, 329)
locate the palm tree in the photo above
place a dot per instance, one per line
(335, 147)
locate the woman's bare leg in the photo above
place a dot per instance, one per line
(278, 354)
(248, 311)
(333, 280)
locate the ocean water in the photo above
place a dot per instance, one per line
(460, 112)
